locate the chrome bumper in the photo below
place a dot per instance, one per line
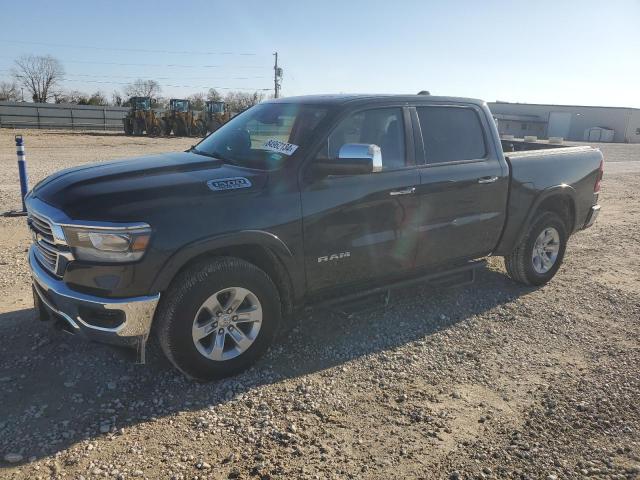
(591, 218)
(57, 298)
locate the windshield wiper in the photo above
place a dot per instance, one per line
(201, 152)
(215, 155)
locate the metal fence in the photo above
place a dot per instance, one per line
(63, 116)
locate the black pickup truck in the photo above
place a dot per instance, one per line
(293, 202)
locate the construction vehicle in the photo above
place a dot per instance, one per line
(179, 119)
(141, 118)
(213, 117)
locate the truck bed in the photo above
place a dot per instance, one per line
(539, 171)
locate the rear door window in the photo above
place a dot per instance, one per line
(451, 134)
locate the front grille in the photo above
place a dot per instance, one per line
(41, 226)
(46, 250)
(47, 255)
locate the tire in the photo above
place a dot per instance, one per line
(201, 128)
(128, 128)
(521, 264)
(179, 321)
(138, 128)
(154, 130)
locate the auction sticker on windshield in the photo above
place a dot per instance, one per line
(280, 147)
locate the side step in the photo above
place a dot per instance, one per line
(455, 277)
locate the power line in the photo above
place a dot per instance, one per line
(119, 49)
(158, 64)
(178, 86)
(154, 77)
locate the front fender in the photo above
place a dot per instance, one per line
(187, 253)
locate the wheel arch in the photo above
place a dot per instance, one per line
(560, 199)
(263, 249)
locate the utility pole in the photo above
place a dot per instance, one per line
(277, 76)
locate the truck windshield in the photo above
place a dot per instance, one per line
(141, 104)
(180, 105)
(264, 136)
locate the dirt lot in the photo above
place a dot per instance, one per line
(493, 380)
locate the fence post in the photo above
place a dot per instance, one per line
(71, 112)
(38, 113)
(104, 117)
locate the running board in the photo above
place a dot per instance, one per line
(455, 277)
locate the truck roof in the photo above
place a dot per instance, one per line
(342, 98)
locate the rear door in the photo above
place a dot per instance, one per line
(463, 184)
(361, 228)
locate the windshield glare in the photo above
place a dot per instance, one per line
(264, 136)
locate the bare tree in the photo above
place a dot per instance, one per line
(160, 102)
(71, 96)
(97, 99)
(9, 92)
(39, 75)
(143, 88)
(240, 101)
(197, 100)
(213, 95)
(116, 99)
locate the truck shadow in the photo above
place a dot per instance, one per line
(57, 390)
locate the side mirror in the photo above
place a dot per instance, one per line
(353, 159)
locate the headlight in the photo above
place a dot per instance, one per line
(107, 245)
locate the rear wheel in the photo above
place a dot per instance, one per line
(167, 127)
(201, 128)
(156, 129)
(539, 255)
(138, 127)
(218, 318)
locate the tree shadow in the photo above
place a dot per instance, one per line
(57, 389)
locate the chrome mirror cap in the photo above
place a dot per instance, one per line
(363, 150)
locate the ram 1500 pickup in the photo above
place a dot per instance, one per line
(293, 202)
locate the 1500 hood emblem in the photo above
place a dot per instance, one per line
(232, 183)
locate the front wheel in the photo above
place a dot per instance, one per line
(537, 258)
(218, 318)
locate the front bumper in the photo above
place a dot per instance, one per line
(81, 312)
(591, 217)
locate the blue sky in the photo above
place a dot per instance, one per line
(571, 52)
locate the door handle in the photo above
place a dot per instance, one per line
(487, 179)
(406, 191)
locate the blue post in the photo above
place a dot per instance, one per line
(22, 169)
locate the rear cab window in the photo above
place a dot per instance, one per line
(451, 134)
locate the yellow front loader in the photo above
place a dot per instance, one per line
(180, 119)
(141, 119)
(212, 118)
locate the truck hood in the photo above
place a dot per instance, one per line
(126, 190)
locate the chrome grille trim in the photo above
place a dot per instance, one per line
(41, 225)
(47, 248)
(48, 257)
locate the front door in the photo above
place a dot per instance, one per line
(361, 228)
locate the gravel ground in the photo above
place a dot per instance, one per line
(493, 380)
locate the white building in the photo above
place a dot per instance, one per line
(571, 122)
